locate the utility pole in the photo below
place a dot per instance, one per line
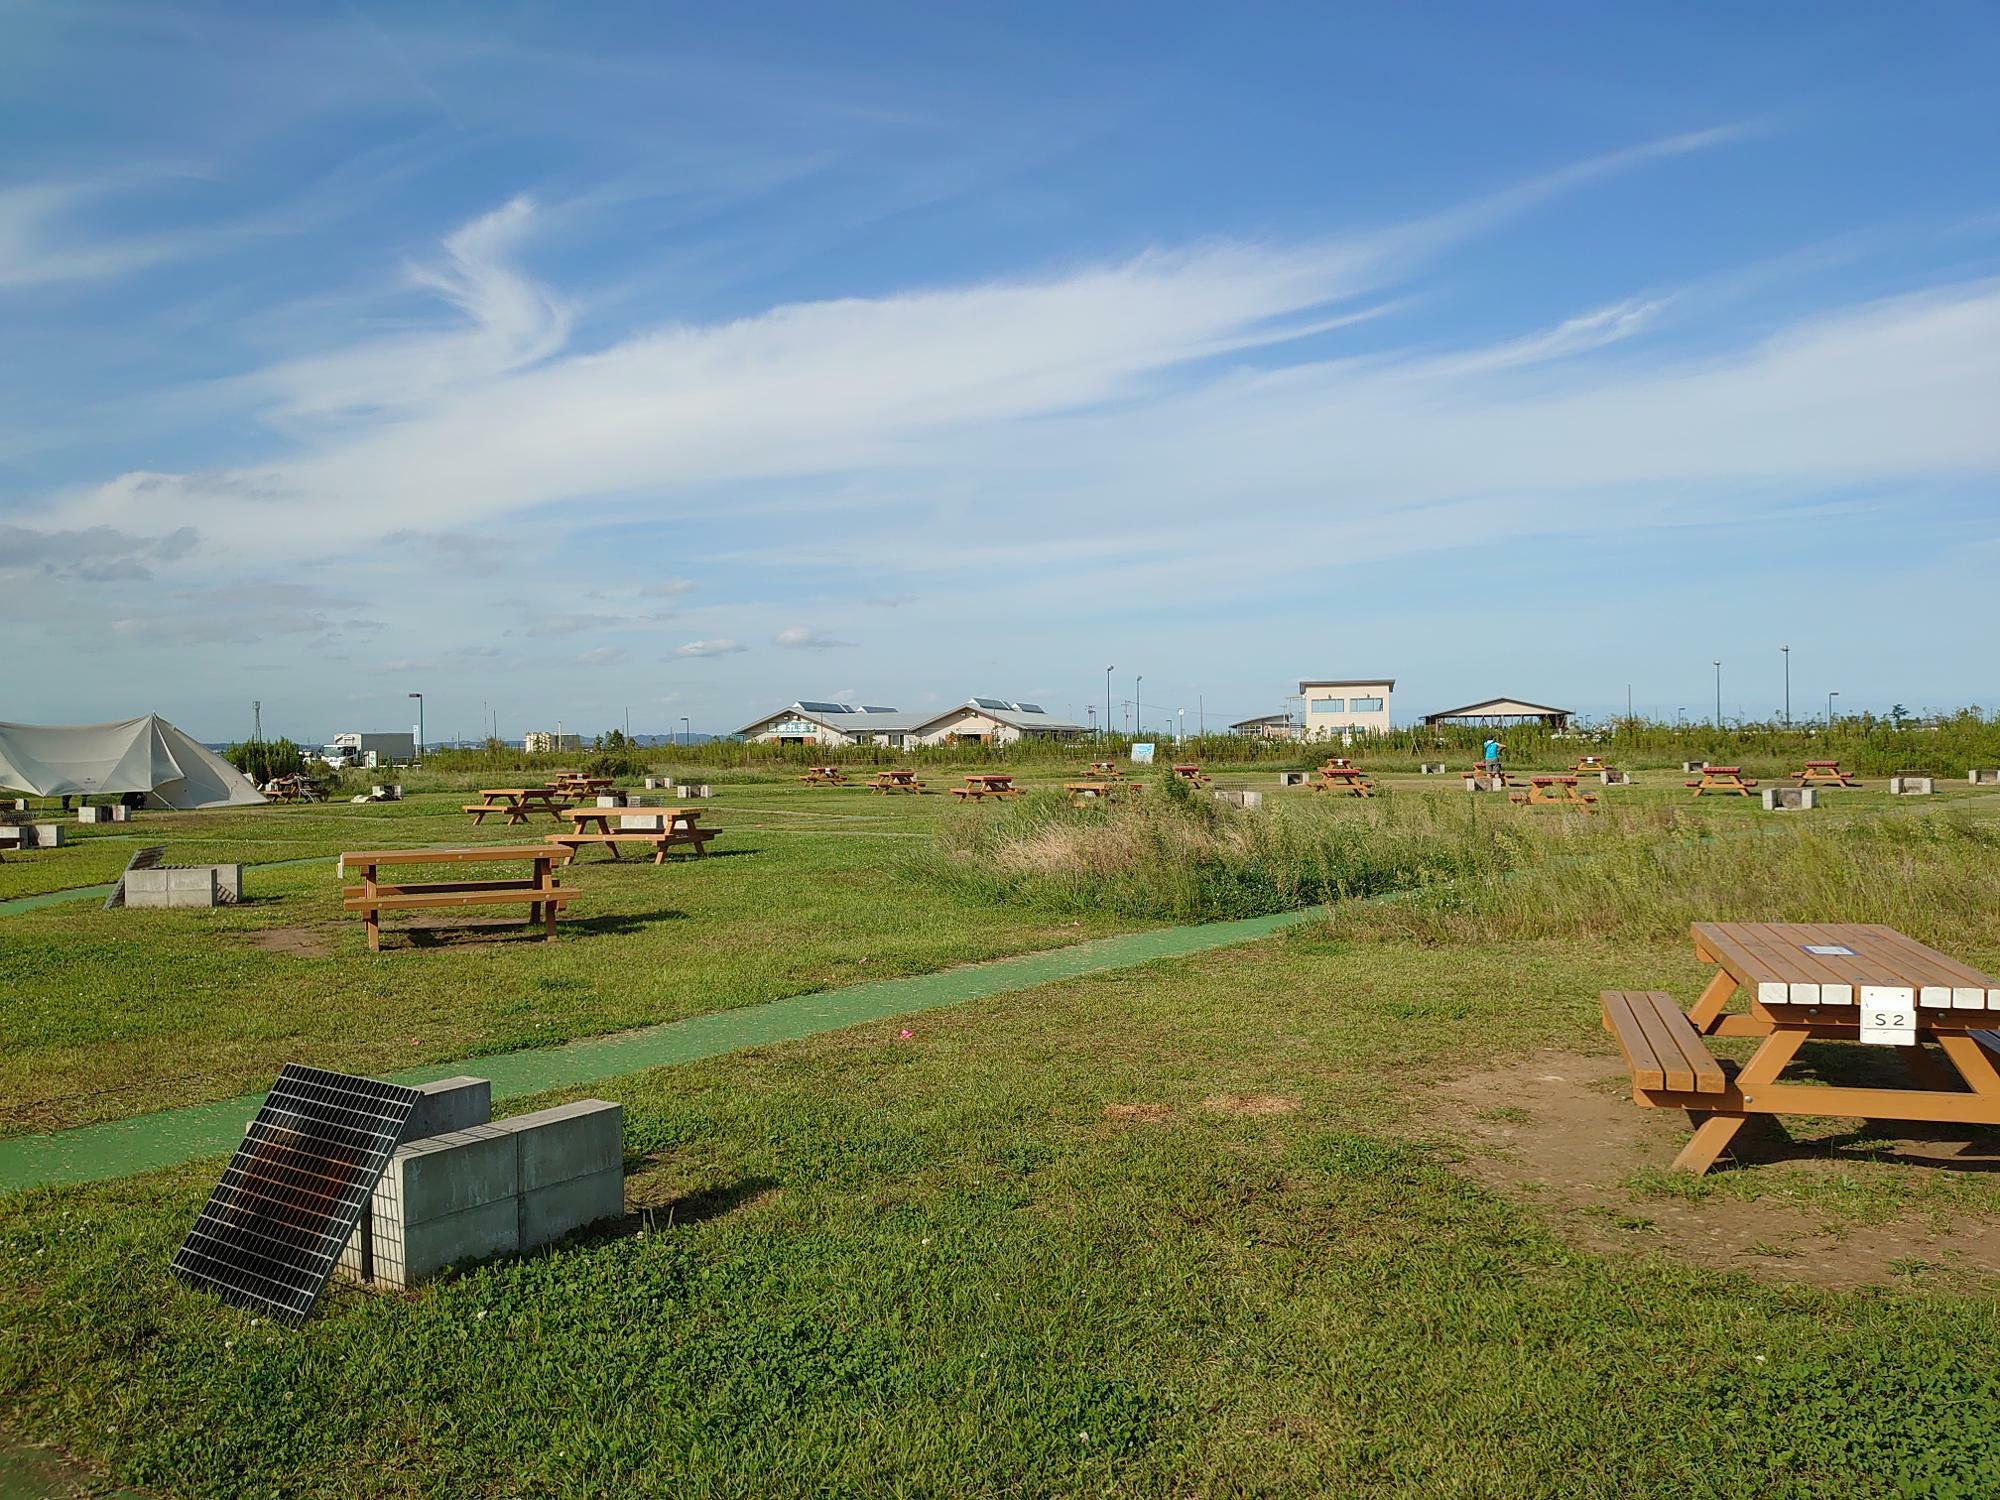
(687, 734)
(1718, 694)
(1788, 685)
(256, 721)
(1139, 703)
(1107, 698)
(628, 726)
(1200, 716)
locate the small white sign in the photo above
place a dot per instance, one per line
(1142, 754)
(1829, 950)
(1888, 1016)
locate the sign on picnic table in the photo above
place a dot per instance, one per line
(1142, 755)
(1888, 1016)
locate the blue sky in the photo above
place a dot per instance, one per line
(562, 361)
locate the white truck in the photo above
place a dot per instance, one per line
(357, 749)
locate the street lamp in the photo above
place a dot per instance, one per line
(1180, 734)
(1138, 704)
(1718, 695)
(1107, 698)
(420, 727)
(687, 734)
(1829, 706)
(1788, 685)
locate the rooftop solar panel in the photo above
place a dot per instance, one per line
(1031, 708)
(825, 708)
(292, 1194)
(1000, 703)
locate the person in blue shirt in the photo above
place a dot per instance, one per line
(1493, 749)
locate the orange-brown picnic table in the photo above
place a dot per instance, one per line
(1822, 773)
(1555, 791)
(1588, 765)
(1848, 982)
(515, 801)
(824, 776)
(1081, 792)
(671, 826)
(1340, 776)
(1723, 779)
(540, 893)
(1192, 773)
(896, 779)
(986, 784)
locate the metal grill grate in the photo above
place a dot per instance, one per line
(292, 1195)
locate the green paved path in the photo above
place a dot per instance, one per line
(120, 1147)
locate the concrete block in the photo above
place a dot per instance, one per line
(610, 799)
(659, 784)
(450, 1104)
(549, 1213)
(93, 815)
(385, 793)
(1485, 784)
(1615, 778)
(1979, 777)
(1241, 799)
(167, 886)
(228, 884)
(428, 1248)
(1692, 766)
(1912, 786)
(1431, 768)
(120, 813)
(446, 1174)
(1291, 778)
(47, 835)
(571, 1140)
(1790, 798)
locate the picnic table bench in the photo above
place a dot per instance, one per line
(1104, 770)
(899, 779)
(671, 826)
(1555, 791)
(824, 776)
(1342, 776)
(515, 801)
(1081, 792)
(1723, 779)
(573, 784)
(539, 893)
(1588, 765)
(1822, 773)
(1192, 774)
(987, 784)
(1853, 982)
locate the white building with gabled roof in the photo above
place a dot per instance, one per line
(1346, 705)
(992, 721)
(831, 724)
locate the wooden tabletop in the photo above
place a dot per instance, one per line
(450, 856)
(585, 814)
(517, 791)
(991, 776)
(1832, 963)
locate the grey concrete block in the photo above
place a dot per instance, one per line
(47, 835)
(445, 1174)
(450, 1104)
(571, 1140)
(120, 813)
(1431, 768)
(1980, 777)
(611, 799)
(1485, 784)
(1615, 778)
(1692, 766)
(471, 1234)
(1291, 778)
(93, 815)
(1790, 798)
(549, 1213)
(166, 886)
(1912, 786)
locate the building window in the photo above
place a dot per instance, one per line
(1364, 705)
(1328, 705)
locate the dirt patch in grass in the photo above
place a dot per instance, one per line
(1563, 1129)
(1137, 1114)
(1249, 1104)
(299, 942)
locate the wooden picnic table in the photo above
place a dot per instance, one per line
(896, 779)
(824, 776)
(1588, 765)
(1340, 776)
(515, 801)
(1104, 770)
(572, 785)
(1723, 779)
(1852, 982)
(1192, 773)
(1555, 791)
(986, 784)
(540, 893)
(1822, 773)
(671, 826)
(1102, 790)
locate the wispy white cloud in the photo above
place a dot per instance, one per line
(721, 646)
(808, 638)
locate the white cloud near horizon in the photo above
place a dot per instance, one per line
(720, 646)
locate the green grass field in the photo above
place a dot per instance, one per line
(1267, 1220)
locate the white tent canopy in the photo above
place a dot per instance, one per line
(137, 755)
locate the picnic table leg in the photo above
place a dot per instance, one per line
(372, 917)
(1713, 1135)
(1708, 1008)
(545, 877)
(1973, 1065)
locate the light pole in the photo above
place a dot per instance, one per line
(687, 734)
(1107, 698)
(1788, 685)
(1829, 706)
(1180, 734)
(1138, 705)
(1718, 695)
(420, 728)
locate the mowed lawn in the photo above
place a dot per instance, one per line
(1223, 1225)
(108, 1014)
(1196, 1229)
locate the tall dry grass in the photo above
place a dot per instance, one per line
(1935, 877)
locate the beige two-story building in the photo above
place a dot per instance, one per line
(1350, 705)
